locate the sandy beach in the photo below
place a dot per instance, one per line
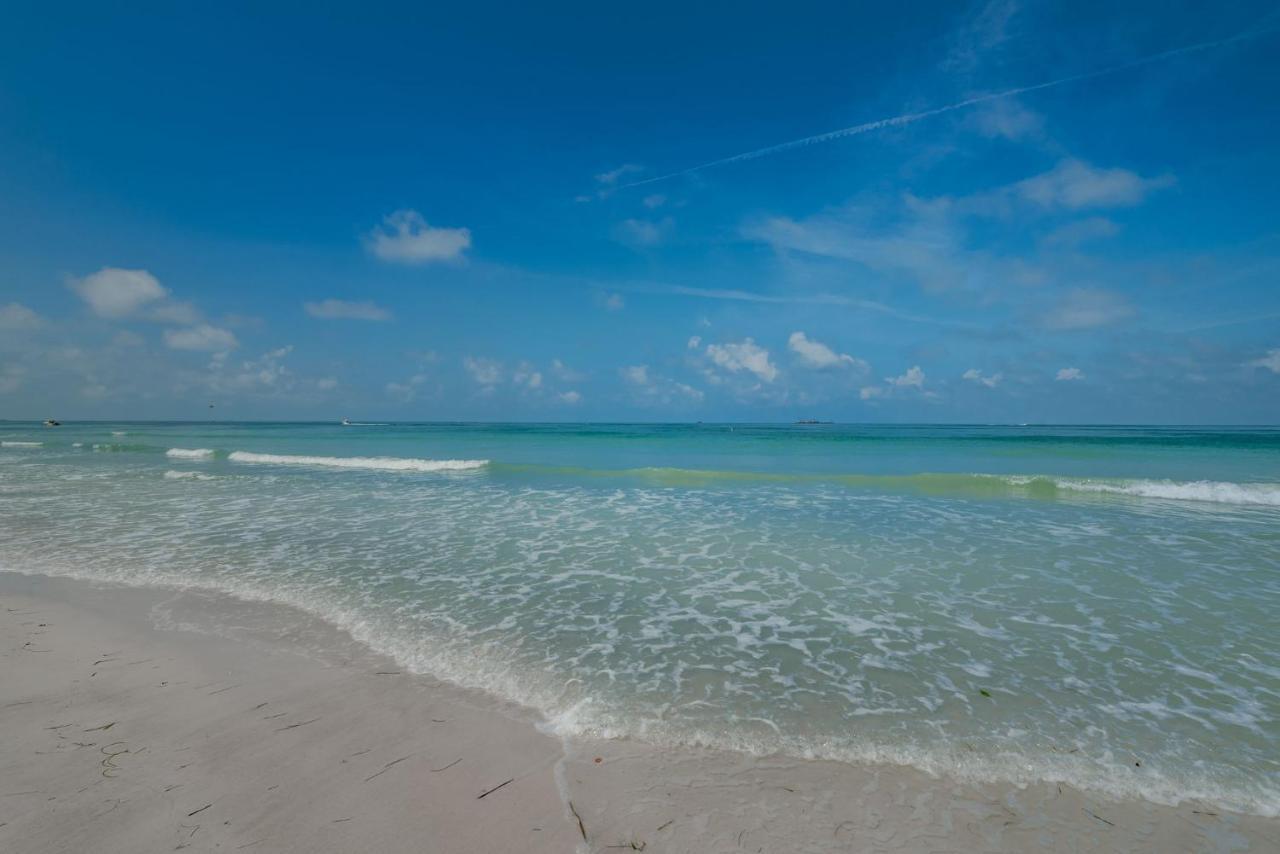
(151, 720)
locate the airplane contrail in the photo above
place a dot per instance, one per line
(910, 118)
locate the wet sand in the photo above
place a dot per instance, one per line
(147, 720)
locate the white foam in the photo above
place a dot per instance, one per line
(21, 444)
(1216, 492)
(189, 453)
(187, 475)
(372, 463)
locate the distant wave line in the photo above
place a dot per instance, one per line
(911, 118)
(370, 463)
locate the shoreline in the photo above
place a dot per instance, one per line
(176, 687)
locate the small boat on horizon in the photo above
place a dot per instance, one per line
(346, 422)
(49, 422)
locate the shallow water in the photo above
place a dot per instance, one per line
(1094, 605)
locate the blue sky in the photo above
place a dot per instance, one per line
(434, 212)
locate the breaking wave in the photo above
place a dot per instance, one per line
(369, 463)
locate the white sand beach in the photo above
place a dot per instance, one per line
(147, 720)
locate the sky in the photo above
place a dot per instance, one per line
(1037, 212)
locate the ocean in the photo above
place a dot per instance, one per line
(1093, 605)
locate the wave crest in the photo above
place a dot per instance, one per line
(190, 453)
(368, 463)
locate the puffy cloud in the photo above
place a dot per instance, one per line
(1086, 308)
(815, 354)
(985, 31)
(744, 355)
(653, 389)
(174, 312)
(406, 238)
(570, 397)
(610, 178)
(1270, 362)
(1080, 231)
(870, 392)
(526, 376)
(486, 372)
(265, 374)
(974, 375)
(407, 390)
(203, 337)
(1007, 119)
(695, 341)
(913, 378)
(336, 309)
(637, 374)
(643, 232)
(565, 373)
(1074, 184)
(16, 316)
(1069, 374)
(115, 293)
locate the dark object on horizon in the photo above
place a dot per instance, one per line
(49, 422)
(813, 421)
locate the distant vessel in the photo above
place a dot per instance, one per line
(346, 422)
(813, 421)
(49, 422)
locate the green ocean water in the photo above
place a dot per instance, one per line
(1097, 605)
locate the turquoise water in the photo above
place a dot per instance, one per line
(1095, 605)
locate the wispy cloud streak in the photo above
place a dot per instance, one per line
(816, 299)
(911, 118)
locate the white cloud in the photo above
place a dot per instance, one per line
(1086, 308)
(743, 355)
(336, 309)
(695, 341)
(974, 375)
(406, 238)
(637, 374)
(1007, 119)
(688, 391)
(913, 378)
(16, 316)
(1080, 231)
(526, 376)
(486, 372)
(570, 397)
(986, 31)
(407, 390)
(614, 302)
(870, 392)
(1271, 361)
(327, 383)
(643, 232)
(267, 373)
(174, 312)
(1074, 184)
(204, 337)
(657, 200)
(610, 179)
(815, 354)
(115, 293)
(1069, 374)
(565, 373)
(653, 389)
